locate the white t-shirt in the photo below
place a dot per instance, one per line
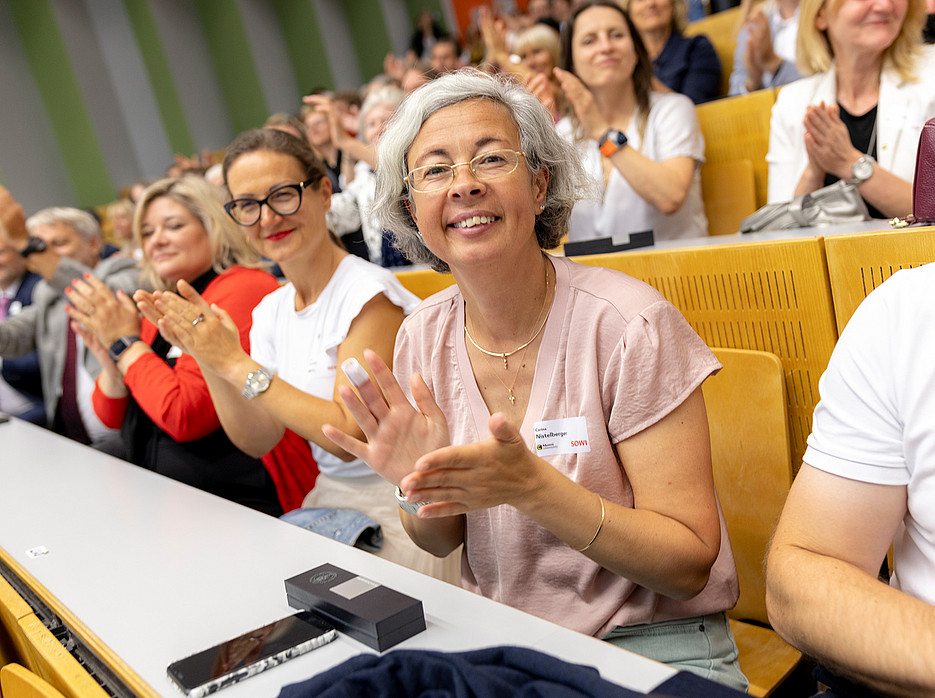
(302, 347)
(876, 418)
(672, 130)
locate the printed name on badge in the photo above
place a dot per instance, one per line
(559, 436)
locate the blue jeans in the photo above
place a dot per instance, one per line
(703, 645)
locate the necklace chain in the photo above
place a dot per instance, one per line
(509, 388)
(506, 354)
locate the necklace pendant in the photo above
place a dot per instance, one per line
(512, 399)
(506, 364)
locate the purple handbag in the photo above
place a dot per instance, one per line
(923, 183)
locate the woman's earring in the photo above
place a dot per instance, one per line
(541, 208)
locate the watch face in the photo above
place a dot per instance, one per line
(863, 168)
(257, 382)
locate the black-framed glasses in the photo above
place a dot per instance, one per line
(284, 200)
(496, 163)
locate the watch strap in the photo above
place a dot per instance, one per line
(411, 507)
(612, 141)
(121, 345)
(864, 161)
(250, 387)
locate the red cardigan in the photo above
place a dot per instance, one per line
(177, 400)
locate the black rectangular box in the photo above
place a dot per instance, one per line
(616, 243)
(376, 615)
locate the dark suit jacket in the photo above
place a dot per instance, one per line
(42, 327)
(689, 64)
(23, 372)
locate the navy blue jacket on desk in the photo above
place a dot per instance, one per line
(23, 372)
(689, 64)
(494, 672)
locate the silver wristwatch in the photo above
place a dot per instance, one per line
(257, 382)
(411, 507)
(862, 170)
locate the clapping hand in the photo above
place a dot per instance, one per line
(827, 141)
(201, 330)
(397, 434)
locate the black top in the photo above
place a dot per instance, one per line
(211, 463)
(861, 131)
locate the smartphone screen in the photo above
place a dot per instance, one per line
(222, 665)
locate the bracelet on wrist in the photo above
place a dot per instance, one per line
(599, 527)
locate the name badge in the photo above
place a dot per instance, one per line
(559, 436)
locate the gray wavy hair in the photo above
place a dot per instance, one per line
(538, 140)
(82, 222)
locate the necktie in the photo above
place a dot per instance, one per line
(67, 415)
(4, 307)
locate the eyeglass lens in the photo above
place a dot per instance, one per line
(285, 201)
(496, 163)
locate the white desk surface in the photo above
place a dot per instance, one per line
(157, 570)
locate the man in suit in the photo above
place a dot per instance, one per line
(20, 382)
(60, 244)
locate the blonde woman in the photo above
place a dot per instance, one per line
(148, 388)
(859, 115)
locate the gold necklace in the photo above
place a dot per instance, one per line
(509, 388)
(506, 354)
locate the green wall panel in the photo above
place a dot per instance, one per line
(233, 63)
(304, 45)
(60, 93)
(368, 32)
(160, 77)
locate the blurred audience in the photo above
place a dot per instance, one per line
(686, 64)
(61, 244)
(288, 123)
(445, 55)
(351, 208)
(765, 52)
(20, 377)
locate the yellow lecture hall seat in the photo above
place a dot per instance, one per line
(52, 662)
(859, 263)
(13, 608)
(750, 454)
(19, 682)
(728, 190)
(737, 128)
(424, 282)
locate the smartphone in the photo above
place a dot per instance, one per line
(225, 664)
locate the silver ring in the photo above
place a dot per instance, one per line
(198, 319)
(91, 311)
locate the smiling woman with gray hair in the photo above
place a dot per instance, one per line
(558, 428)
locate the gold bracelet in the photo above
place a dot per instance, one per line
(599, 527)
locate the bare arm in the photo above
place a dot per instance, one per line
(664, 185)
(822, 590)
(667, 542)
(256, 426)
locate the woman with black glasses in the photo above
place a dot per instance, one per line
(333, 306)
